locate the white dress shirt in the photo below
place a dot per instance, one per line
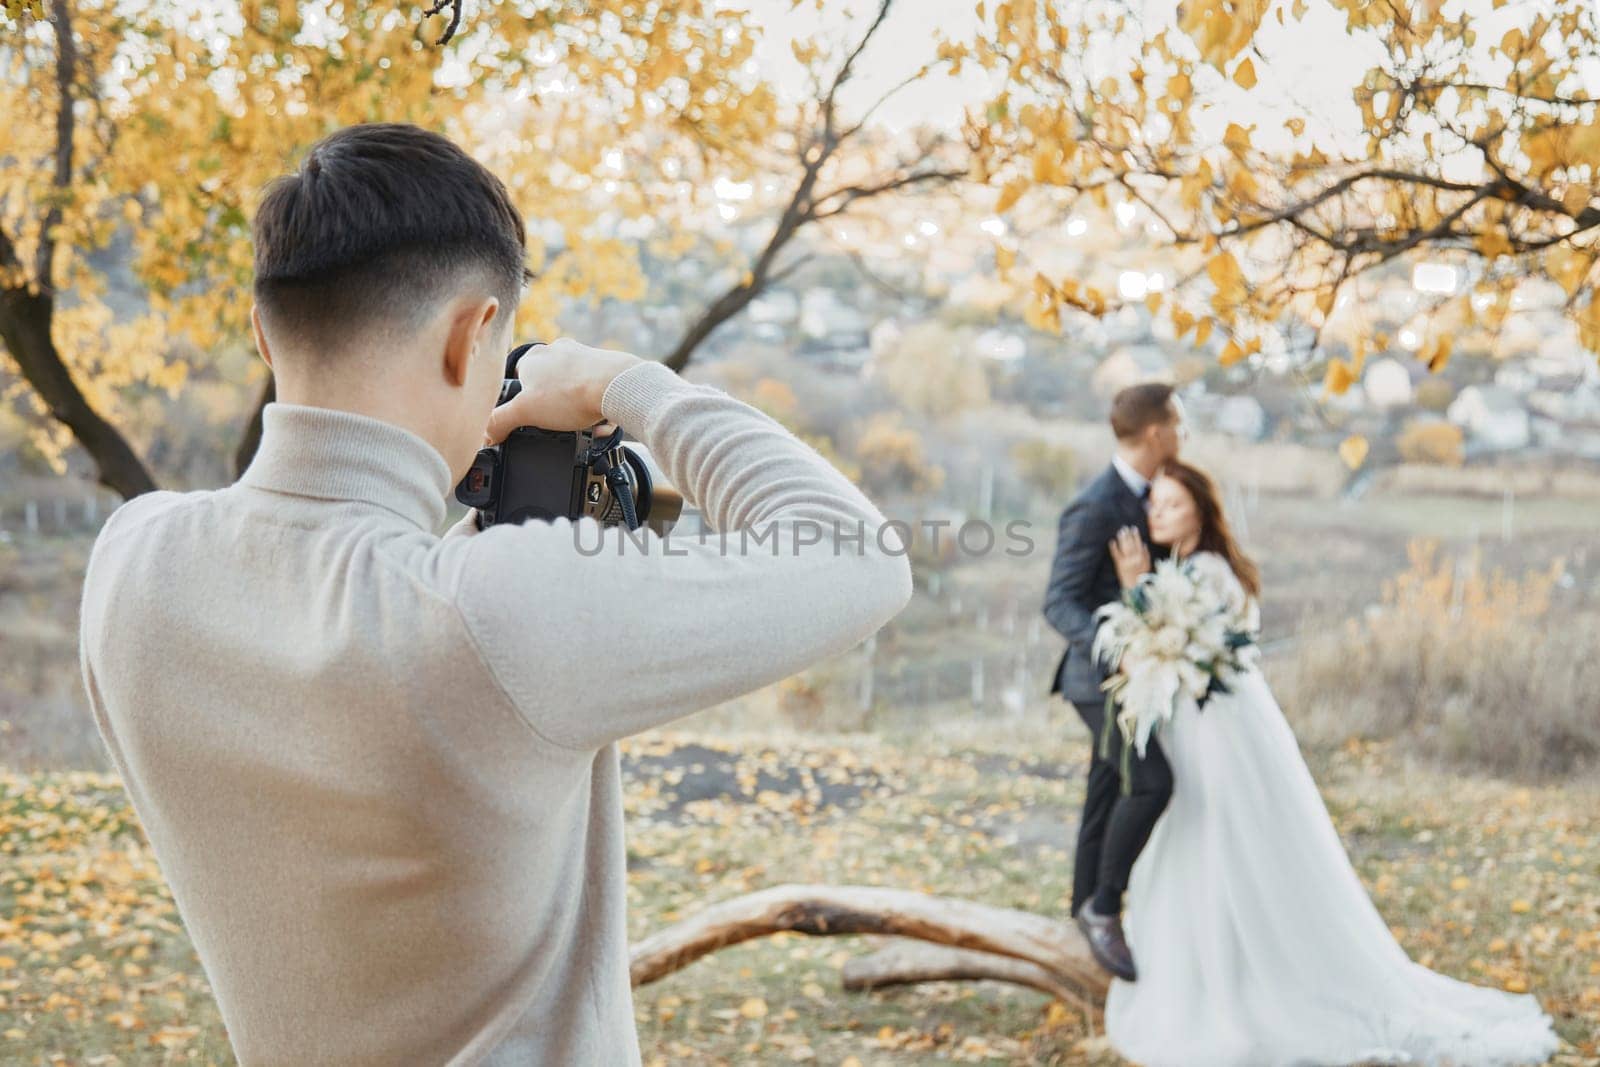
(1136, 482)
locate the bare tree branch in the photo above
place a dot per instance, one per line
(437, 7)
(816, 148)
(847, 68)
(852, 193)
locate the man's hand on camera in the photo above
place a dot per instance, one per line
(562, 383)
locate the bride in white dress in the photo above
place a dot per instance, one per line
(1255, 941)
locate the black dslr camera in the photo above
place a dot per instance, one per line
(550, 474)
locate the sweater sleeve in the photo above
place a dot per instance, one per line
(598, 633)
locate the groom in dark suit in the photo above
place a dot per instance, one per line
(1148, 423)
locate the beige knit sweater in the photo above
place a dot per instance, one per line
(378, 767)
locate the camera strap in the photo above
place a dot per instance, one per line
(600, 455)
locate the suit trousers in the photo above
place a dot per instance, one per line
(1115, 826)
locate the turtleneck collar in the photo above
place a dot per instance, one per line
(339, 455)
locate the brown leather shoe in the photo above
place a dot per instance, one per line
(1106, 943)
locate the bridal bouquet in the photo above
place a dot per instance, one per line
(1183, 633)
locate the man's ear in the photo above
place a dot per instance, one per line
(470, 328)
(261, 335)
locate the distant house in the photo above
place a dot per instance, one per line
(1387, 383)
(1130, 365)
(779, 306)
(1575, 405)
(884, 335)
(1002, 346)
(1494, 416)
(830, 322)
(1241, 416)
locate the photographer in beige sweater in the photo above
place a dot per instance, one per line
(378, 767)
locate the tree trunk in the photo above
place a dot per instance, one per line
(25, 328)
(252, 430)
(909, 962)
(721, 310)
(1055, 948)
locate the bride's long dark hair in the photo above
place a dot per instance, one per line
(1215, 534)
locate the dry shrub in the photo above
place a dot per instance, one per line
(1466, 667)
(892, 458)
(1432, 442)
(1050, 468)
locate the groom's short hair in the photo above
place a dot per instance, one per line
(1139, 407)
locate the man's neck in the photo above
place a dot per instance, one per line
(396, 410)
(1139, 462)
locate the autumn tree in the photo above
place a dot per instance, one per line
(934, 370)
(159, 124)
(831, 164)
(1470, 141)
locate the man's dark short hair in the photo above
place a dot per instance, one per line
(380, 222)
(1139, 407)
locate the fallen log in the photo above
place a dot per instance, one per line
(913, 962)
(831, 910)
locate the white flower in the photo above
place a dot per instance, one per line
(1171, 636)
(1170, 641)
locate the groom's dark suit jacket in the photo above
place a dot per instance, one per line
(1083, 577)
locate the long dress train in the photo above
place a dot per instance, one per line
(1256, 942)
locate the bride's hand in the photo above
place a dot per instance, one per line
(1131, 555)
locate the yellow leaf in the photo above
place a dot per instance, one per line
(1575, 199)
(1516, 985)
(1296, 126)
(1437, 355)
(1589, 324)
(1568, 266)
(1224, 272)
(1520, 906)
(1340, 377)
(1044, 316)
(1353, 451)
(1004, 257)
(1245, 75)
(1492, 243)
(754, 1008)
(1202, 332)
(6, 962)
(1009, 194)
(1231, 353)
(1237, 138)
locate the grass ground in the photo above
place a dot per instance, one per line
(1492, 882)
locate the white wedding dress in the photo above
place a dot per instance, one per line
(1256, 943)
